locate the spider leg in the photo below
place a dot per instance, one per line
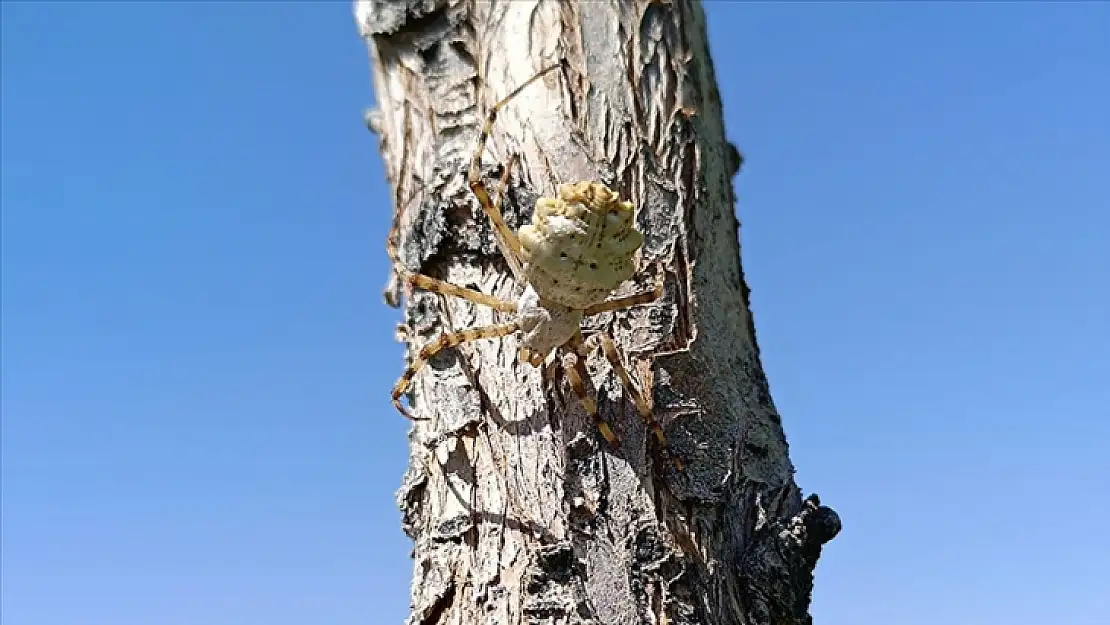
(445, 341)
(613, 355)
(626, 302)
(576, 374)
(504, 183)
(506, 239)
(427, 283)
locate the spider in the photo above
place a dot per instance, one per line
(576, 251)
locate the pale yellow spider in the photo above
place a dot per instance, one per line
(577, 250)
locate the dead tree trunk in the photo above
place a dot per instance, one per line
(519, 513)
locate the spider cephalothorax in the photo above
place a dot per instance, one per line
(577, 249)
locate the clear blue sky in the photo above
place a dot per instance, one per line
(196, 359)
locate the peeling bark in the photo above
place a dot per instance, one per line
(518, 512)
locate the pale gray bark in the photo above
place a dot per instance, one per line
(519, 513)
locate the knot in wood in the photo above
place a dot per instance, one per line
(579, 246)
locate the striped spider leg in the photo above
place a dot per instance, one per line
(577, 351)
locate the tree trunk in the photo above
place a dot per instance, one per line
(518, 510)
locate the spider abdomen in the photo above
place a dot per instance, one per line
(580, 246)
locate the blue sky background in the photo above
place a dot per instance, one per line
(196, 359)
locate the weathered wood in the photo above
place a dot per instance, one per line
(518, 511)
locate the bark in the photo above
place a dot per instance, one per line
(518, 511)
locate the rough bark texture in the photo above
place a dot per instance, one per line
(518, 511)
